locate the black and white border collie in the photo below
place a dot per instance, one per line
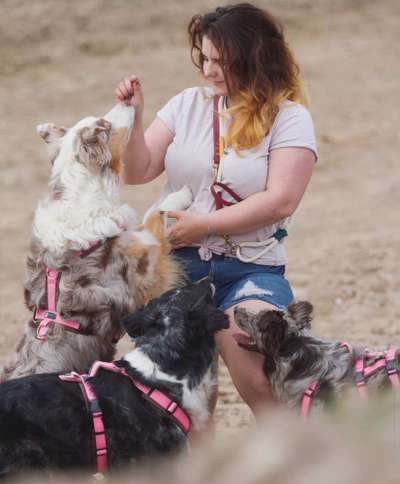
(45, 423)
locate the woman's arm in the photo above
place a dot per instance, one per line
(289, 172)
(145, 152)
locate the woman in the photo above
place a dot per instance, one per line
(264, 169)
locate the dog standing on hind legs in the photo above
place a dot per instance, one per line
(306, 371)
(90, 264)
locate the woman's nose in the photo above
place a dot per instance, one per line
(209, 69)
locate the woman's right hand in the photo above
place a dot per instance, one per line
(129, 91)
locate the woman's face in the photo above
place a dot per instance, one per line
(212, 69)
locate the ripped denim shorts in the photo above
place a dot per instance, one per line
(237, 281)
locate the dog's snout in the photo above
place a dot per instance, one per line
(238, 311)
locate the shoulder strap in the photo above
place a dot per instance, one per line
(219, 201)
(216, 131)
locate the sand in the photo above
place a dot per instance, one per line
(61, 61)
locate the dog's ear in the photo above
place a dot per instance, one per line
(201, 294)
(98, 133)
(273, 328)
(301, 313)
(135, 324)
(50, 133)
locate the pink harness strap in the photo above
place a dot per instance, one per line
(307, 399)
(97, 418)
(391, 367)
(48, 317)
(85, 252)
(386, 359)
(359, 378)
(156, 396)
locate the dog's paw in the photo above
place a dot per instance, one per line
(180, 200)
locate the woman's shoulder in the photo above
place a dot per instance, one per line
(293, 109)
(192, 103)
(293, 127)
(291, 114)
(200, 94)
(290, 110)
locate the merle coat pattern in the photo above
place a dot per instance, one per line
(44, 423)
(294, 358)
(82, 207)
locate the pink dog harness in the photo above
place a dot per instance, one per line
(47, 318)
(385, 359)
(156, 396)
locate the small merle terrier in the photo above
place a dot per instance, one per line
(44, 421)
(306, 371)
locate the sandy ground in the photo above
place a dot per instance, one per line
(61, 60)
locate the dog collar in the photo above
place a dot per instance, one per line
(96, 245)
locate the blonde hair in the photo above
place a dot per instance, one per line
(252, 119)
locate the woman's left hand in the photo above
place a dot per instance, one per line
(189, 227)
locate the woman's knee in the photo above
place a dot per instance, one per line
(245, 367)
(255, 383)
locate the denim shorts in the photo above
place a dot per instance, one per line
(237, 281)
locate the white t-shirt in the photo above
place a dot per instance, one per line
(188, 161)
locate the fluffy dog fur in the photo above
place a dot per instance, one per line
(294, 358)
(44, 423)
(82, 207)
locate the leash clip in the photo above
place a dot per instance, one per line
(43, 328)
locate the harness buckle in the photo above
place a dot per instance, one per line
(391, 366)
(359, 378)
(94, 406)
(309, 392)
(50, 315)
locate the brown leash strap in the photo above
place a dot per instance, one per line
(220, 202)
(216, 132)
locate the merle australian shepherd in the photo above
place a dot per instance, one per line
(44, 421)
(103, 264)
